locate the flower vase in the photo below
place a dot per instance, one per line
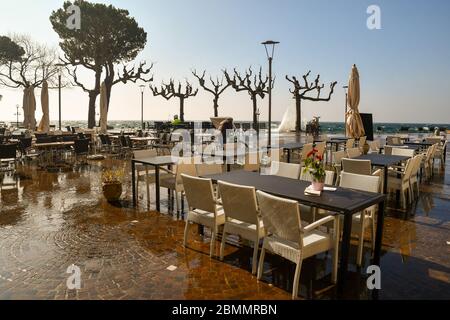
(317, 186)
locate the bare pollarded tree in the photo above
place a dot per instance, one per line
(169, 91)
(304, 91)
(218, 87)
(36, 64)
(255, 85)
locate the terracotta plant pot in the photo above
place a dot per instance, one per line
(366, 148)
(112, 191)
(317, 186)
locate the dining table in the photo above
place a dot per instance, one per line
(343, 201)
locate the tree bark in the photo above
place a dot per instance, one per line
(91, 111)
(93, 98)
(182, 109)
(255, 110)
(298, 114)
(216, 107)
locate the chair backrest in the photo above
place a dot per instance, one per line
(307, 148)
(252, 161)
(199, 193)
(129, 142)
(239, 202)
(416, 167)
(185, 166)
(403, 152)
(321, 147)
(8, 151)
(81, 146)
(392, 140)
(337, 157)
(353, 152)
(408, 169)
(306, 176)
(283, 169)
(281, 217)
(362, 141)
(374, 146)
(360, 182)
(433, 140)
(350, 143)
(123, 141)
(148, 153)
(355, 166)
(205, 169)
(25, 143)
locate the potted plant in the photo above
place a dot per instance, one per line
(112, 184)
(315, 167)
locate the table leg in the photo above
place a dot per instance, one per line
(288, 156)
(379, 234)
(345, 251)
(158, 204)
(385, 169)
(133, 182)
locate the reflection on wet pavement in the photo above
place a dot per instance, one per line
(49, 221)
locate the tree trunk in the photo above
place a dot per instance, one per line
(182, 109)
(109, 79)
(91, 112)
(255, 111)
(216, 107)
(298, 114)
(92, 99)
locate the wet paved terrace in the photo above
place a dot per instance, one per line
(49, 221)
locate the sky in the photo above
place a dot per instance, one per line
(404, 66)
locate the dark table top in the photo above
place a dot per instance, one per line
(337, 141)
(156, 161)
(292, 145)
(343, 200)
(382, 160)
(423, 143)
(404, 146)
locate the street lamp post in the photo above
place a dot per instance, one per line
(142, 87)
(17, 115)
(270, 50)
(345, 113)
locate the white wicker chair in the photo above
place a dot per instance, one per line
(203, 207)
(367, 217)
(286, 237)
(283, 169)
(241, 216)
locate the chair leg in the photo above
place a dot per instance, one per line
(148, 188)
(255, 256)
(403, 199)
(213, 241)
(298, 269)
(186, 230)
(177, 202)
(261, 262)
(222, 244)
(373, 231)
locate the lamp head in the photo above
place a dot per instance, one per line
(267, 44)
